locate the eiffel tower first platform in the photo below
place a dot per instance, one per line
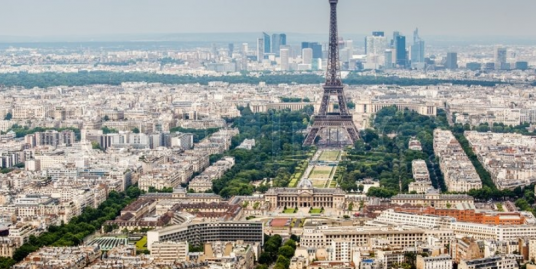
(325, 123)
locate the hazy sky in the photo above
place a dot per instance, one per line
(105, 17)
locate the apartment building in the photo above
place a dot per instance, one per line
(203, 182)
(484, 231)
(423, 221)
(322, 237)
(459, 173)
(509, 158)
(198, 233)
(60, 257)
(421, 176)
(7, 247)
(50, 138)
(471, 215)
(434, 262)
(170, 251)
(435, 199)
(495, 262)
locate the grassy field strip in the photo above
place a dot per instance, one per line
(329, 156)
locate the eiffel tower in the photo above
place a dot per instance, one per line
(325, 122)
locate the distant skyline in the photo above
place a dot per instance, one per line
(67, 18)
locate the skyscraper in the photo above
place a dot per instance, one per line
(393, 41)
(375, 45)
(369, 38)
(283, 39)
(452, 61)
(231, 50)
(278, 40)
(285, 54)
(276, 45)
(401, 53)
(214, 51)
(267, 43)
(316, 47)
(307, 56)
(500, 58)
(349, 44)
(260, 49)
(378, 33)
(388, 64)
(417, 49)
(375, 49)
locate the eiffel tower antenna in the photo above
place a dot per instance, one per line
(341, 121)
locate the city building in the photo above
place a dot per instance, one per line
(278, 40)
(307, 56)
(305, 195)
(507, 157)
(495, 262)
(501, 55)
(285, 59)
(203, 232)
(451, 61)
(388, 59)
(267, 43)
(435, 199)
(316, 47)
(375, 47)
(434, 262)
(401, 53)
(417, 51)
(60, 257)
(458, 171)
(321, 236)
(169, 251)
(260, 50)
(421, 176)
(472, 215)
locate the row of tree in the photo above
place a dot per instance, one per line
(355, 78)
(294, 99)
(273, 251)
(82, 78)
(22, 131)
(383, 152)
(278, 151)
(378, 155)
(73, 233)
(199, 134)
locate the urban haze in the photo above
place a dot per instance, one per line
(248, 134)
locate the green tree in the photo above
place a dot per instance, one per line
(291, 243)
(282, 261)
(79, 227)
(286, 251)
(265, 258)
(8, 116)
(95, 145)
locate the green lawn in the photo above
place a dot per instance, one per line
(142, 244)
(294, 181)
(321, 172)
(288, 211)
(329, 156)
(315, 211)
(319, 183)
